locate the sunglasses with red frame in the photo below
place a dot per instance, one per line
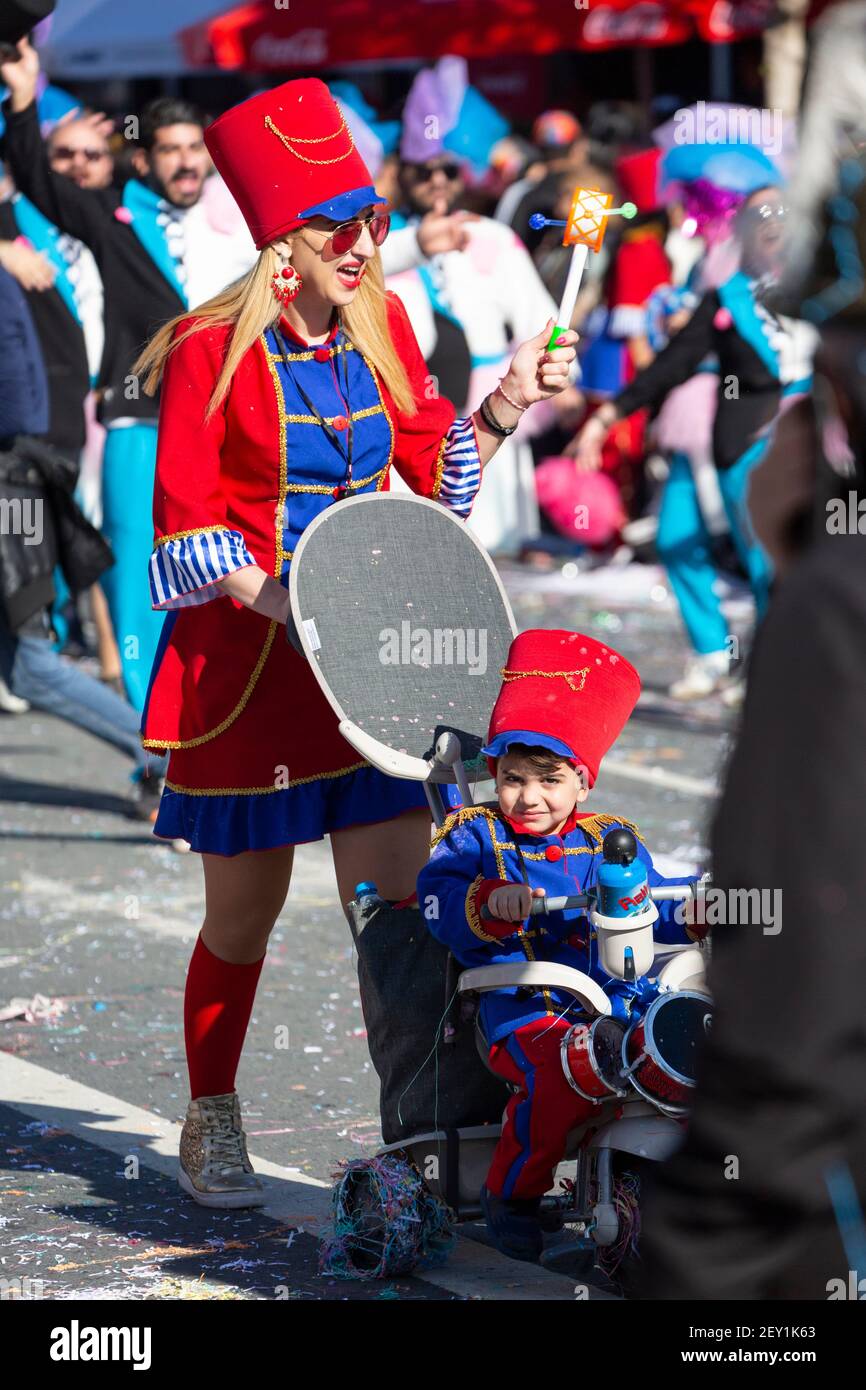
(343, 238)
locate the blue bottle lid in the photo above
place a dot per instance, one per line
(365, 888)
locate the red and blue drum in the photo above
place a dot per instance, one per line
(592, 1058)
(660, 1050)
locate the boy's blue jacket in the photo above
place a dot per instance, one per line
(473, 852)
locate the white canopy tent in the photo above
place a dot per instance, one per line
(92, 39)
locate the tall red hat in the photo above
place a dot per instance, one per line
(288, 155)
(562, 691)
(638, 176)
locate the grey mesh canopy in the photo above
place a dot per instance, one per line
(404, 621)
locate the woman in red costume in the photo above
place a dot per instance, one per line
(300, 384)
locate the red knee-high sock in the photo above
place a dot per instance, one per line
(216, 1011)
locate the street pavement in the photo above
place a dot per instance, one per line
(99, 919)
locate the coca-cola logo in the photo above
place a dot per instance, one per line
(307, 46)
(726, 20)
(642, 21)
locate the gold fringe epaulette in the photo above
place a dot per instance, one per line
(466, 813)
(597, 826)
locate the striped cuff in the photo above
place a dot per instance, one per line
(183, 572)
(627, 321)
(461, 471)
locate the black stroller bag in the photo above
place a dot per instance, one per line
(430, 1072)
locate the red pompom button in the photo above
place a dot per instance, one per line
(321, 354)
(554, 852)
(339, 422)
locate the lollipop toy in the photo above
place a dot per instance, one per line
(584, 231)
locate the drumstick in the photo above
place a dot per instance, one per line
(585, 227)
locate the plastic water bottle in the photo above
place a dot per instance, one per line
(367, 895)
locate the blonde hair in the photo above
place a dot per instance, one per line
(248, 306)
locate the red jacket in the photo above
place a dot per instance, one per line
(231, 472)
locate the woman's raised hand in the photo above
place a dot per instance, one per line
(536, 374)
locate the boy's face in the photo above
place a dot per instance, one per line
(539, 800)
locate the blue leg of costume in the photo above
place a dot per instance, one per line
(734, 485)
(128, 470)
(684, 548)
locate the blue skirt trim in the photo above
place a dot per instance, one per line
(293, 816)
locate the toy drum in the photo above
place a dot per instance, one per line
(592, 1058)
(660, 1050)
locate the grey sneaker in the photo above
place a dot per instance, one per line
(214, 1165)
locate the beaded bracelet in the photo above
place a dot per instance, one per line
(504, 393)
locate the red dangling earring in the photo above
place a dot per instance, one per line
(286, 284)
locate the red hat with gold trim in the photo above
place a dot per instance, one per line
(562, 691)
(288, 155)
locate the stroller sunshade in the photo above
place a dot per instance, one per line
(403, 619)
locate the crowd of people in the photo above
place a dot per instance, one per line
(693, 379)
(103, 239)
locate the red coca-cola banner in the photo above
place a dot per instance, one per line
(315, 34)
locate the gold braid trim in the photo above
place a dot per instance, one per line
(321, 489)
(308, 355)
(466, 813)
(196, 531)
(508, 675)
(596, 827)
(329, 419)
(473, 921)
(230, 718)
(263, 791)
(291, 140)
(439, 470)
(577, 849)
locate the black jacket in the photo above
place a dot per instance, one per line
(36, 485)
(739, 418)
(138, 298)
(782, 1085)
(61, 339)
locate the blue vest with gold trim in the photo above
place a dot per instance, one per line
(316, 465)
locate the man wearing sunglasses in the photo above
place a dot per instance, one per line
(78, 149)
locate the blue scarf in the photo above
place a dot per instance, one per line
(45, 237)
(145, 206)
(738, 297)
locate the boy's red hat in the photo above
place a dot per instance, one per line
(638, 177)
(288, 155)
(562, 691)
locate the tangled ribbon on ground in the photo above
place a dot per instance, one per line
(386, 1221)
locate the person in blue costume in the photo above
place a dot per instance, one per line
(765, 364)
(564, 700)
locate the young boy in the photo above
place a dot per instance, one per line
(564, 700)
